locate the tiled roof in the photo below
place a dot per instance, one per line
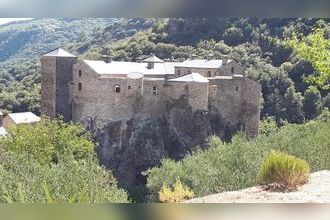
(202, 63)
(121, 67)
(58, 53)
(193, 77)
(3, 131)
(153, 59)
(24, 117)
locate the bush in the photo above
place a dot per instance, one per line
(178, 193)
(287, 172)
(24, 180)
(49, 141)
(53, 162)
(235, 165)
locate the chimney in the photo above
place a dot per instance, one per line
(107, 58)
(224, 60)
(151, 65)
(210, 56)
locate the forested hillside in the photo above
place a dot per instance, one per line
(258, 44)
(22, 44)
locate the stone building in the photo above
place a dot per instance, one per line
(110, 90)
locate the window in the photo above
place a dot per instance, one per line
(188, 72)
(208, 73)
(236, 88)
(80, 86)
(80, 73)
(155, 90)
(129, 87)
(117, 88)
(232, 70)
(178, 72)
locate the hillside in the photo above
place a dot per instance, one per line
(23, 42)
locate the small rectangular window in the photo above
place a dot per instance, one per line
(178, 71)
(155, 90)
(129, 87)
(188, 72)
(208, 73)
(80, 86)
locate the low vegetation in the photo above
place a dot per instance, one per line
(235, 165)
(53, 162)
(285, 172)
(177, 193)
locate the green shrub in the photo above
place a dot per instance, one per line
(24, 180)
(235, 165)
(53, 162)
(177, 193)
(287, 172)
(49, 141)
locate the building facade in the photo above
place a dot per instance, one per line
(110, 90)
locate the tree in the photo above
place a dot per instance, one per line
(293, 106)
(315, 49)
(312, 103)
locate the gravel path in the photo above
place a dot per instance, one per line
(317, 190)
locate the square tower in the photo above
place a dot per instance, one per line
(56, 77)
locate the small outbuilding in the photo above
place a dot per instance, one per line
(19, 118)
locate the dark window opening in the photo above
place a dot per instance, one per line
(236, 88)
(232, 70)
(188, 71)
(129, 87)
(178, 72)
(79, 86)
(208, 73)
(80, 73)
(117, 88)
(155, 90)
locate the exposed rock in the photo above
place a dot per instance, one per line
(131, 146)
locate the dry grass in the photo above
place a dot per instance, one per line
(283, 172)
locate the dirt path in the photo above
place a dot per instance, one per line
(317, 190)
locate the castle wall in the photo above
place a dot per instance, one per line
(203, 71)
(48, 86)
(226, 70)
(63, 103)
(196, 92)
(98, 97)
(226, 98)
(250, 106)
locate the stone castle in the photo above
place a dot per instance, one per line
(110, 90)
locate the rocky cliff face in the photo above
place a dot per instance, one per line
(131, 146)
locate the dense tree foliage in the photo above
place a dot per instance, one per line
(53, 162)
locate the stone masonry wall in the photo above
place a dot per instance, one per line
(48, 83)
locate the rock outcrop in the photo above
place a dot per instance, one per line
(129, 147)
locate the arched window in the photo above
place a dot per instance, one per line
(117, 88)
(232, 70)
(80, 86)
(80, 73)
(155, 90)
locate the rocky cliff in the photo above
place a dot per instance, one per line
(131, 146)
